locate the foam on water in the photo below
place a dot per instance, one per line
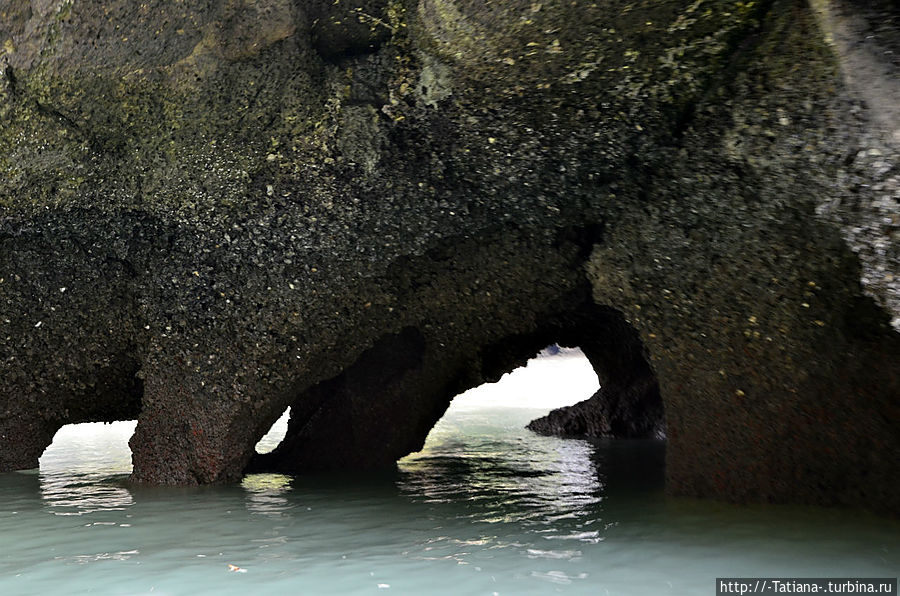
(487, 507)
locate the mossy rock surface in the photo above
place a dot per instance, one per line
(212, 210)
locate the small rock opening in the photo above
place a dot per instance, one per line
(364, 418)
(273, 438)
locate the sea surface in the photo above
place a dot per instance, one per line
(486, 508)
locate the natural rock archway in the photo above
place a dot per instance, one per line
(210, 211)
(382, 407)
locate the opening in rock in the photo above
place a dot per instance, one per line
(82, 469)
(382, 407)
(482, 453)
(98, 447)
(276, 434)
(556, 377)
(366, 417)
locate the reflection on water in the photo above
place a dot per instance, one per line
(267, 494)
(485, 508)
(87, 494)
(506, 482)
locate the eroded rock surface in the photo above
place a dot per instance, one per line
(210, 211)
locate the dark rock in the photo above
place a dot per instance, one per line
(212, 211)
(635, 412)
(344, 30)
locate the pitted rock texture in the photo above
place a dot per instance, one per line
(210, 211)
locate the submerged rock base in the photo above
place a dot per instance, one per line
(212, 211)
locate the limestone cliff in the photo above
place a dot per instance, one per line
(212, 210)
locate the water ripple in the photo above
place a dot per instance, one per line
(65, 495)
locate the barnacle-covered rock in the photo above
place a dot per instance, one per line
(210, 211)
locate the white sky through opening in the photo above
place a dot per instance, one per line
(546, 382)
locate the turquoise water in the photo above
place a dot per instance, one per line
(486, 508)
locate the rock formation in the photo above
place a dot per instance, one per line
(210, 211)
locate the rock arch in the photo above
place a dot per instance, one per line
(383, 406)
(247, 213)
